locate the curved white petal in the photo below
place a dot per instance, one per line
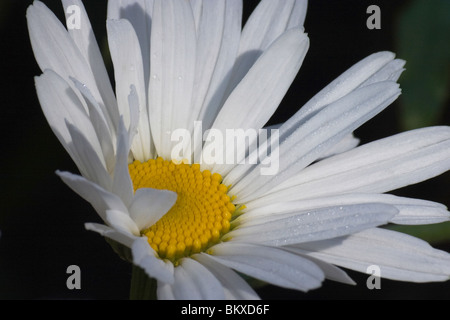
(311, 140)
(139, 14)
(390, 71)
(269, 264)
(98, 197)
(145, 257)
(379, 166)
(165, 291)
(415, 212)
(124, 238)
(122, 221)
(149, 205)
(375, 68)
(133, 103)
(235, 286)
(209, 42)
(84, 38)
(399, 256)
(196, 6)
(410, 211)
(330, 271)
(229, 46)
(298, 14)
(128, 70)
(60, 105)
(172, 62)
(347, 143)
(272, 73)
(267, 22)
(362, 72)
(194, 282)
(312, 225)
(122, 184)
(104, 135)
(55, 49)
(89, 163)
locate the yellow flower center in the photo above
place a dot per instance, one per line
(201, 214)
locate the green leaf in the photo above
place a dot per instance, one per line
(423, 41)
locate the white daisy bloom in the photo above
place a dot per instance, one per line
(192, 226)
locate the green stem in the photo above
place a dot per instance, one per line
(142, 286)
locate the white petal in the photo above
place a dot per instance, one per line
(267, 22)
(338, 88)
(172, 75)
(121, 221)
(89, 163)
(55, 49)
(235, 286)
(323, 130)
(213, 17)
(379, 166)
(122, 184)
(138, 13)
(128, 70)
(377, 67)
(298, 14)
(145, 257)
(124, 238)
(399, 256)
(225, 61)
(149, 205)
(410, 211)
(209, 40)
(272, 73)
(269, 264)
(84, 39)
(98, 197)
(419, 212)
(194, 282)
(165, 291)
(104, 134)
(60, 104)
(346, 144)
(331, 272)
(311, 225)
(391, 71)
(196, 6)
(133, 103)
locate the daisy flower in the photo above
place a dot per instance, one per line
(311, 203)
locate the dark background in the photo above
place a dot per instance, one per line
(42, 221)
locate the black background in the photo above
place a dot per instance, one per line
(42, 221)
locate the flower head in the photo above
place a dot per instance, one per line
(160, 164)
